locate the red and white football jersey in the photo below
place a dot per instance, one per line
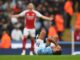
(30, 18)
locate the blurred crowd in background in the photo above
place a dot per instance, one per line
(60, 10)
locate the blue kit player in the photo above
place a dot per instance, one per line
(48, 48)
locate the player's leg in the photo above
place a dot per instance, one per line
(40, 43)
(32, 36)
(41, 37)
(32, 45)
(42, 34)
(25, 34)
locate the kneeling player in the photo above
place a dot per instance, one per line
(49, 47)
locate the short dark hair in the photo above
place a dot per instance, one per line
(57, 53)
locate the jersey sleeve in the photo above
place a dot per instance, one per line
(23, 13)
(38, 14)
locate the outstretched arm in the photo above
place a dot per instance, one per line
(42, 16)
(18, 15)
(46, 18)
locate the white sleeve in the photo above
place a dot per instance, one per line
(23, 13)
(38, 14)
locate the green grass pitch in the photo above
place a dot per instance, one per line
(41, 57)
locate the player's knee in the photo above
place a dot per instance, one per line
(24, 36)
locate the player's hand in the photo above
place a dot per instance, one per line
(51, 18)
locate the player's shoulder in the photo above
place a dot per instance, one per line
(35, 11)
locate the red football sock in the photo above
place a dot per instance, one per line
(32, 44)
(24, 43)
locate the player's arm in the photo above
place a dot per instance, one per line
(42, 16)
(18, 15)
(46, 18)
(53, 40)
(42, 34)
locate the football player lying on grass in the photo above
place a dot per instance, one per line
(48, 48)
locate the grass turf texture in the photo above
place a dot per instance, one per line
(41, 57)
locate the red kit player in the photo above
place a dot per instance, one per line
(30, 18)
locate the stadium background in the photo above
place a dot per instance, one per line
(47, 8)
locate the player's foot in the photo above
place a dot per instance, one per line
(31, 53)
(23, 52)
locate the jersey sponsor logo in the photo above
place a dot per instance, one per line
(30, 16)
